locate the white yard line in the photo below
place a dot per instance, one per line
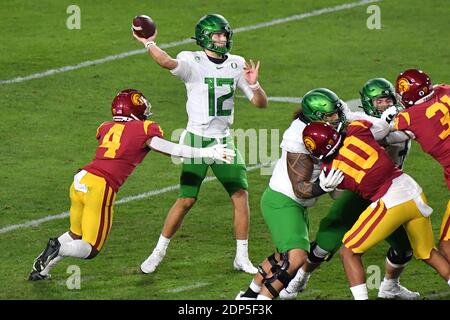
(88, 63)
(186, 288)
(65, 214)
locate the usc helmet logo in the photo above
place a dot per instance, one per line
(309, 144)
(136, 99)
(403, 85)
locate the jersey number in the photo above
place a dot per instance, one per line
(212, 83)
(364, 163)
(445, 120)
(111, 140)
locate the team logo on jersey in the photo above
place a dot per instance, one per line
(234, 65)
(136, 99)
(197, 58)
(403, 85)
(309, 143)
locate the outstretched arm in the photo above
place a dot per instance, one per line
(251, 72)
(159, 55)
(216, 152)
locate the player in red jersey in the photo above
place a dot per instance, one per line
(122, 145)
(396, 198)
(427, 116)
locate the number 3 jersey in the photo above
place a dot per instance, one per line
(430, 123)
(210, 90)
(121, 147)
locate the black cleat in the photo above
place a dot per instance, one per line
(36, 276)
(50, 252)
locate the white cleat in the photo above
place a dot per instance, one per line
(239, 296)
(396, 291)
(149, 265)
(296, 285)
(244, 264)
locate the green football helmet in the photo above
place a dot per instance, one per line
(322, 102)
(374, 89)
(207, 26)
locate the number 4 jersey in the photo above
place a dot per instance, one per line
(430, 123)
(122, 146)
(210, 89)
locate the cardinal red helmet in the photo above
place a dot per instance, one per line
(412, 85)
(130, 104)
(321, 139)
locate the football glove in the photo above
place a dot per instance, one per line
(389, 114)
(329, 182)
(219, 152)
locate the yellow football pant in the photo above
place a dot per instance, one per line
(91, 212)
(445, 226)
(376, 224)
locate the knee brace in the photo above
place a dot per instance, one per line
(279, 272)
(273, 262)
(398, 259)
(317, 255)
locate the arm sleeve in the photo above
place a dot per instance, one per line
(397, 137)
(183, 69)
(379, 129)
(176, 149)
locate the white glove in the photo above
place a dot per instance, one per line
(389, 114)
(331, 181)
(219, 152)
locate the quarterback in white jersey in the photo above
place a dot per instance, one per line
(211, 77)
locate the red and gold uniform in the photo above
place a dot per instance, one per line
(397, 198)
(430, 123)
(121, 147)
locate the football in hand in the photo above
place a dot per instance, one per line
(143, 26)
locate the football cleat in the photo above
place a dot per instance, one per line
(244, 264)
(36, 276)
(150, 264)
(49, 253)
(240, 296)
(296, 285)
(396, 291)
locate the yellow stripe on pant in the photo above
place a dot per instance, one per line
(91, 213)
(376, 224)
(444, 233)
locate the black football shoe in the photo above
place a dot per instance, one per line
(36, 276)
(49, 253)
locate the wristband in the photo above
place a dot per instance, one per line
(255, 86)
(148, 44)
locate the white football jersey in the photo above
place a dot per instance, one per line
(396, 151)
(210, 91)
(292, 142)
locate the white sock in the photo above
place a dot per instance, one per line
(262, 297)
(242, 248)
(360, 292)
(162, 244)
(448, 282)
(256, 287)
(76, 249)
(64, 238)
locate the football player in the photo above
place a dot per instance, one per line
(397, 200)
(122, 145)
(211, 77)
(427, 117)
(377, 96)
(293, 187)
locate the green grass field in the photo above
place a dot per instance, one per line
(49, 124)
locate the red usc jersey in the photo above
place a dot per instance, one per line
(430, 123)
(367, 168)
(121, 147)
